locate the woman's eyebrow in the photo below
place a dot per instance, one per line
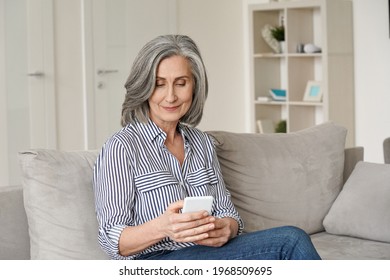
(177, 78)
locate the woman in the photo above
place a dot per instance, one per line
(158, 158)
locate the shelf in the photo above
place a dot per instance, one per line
(305, 103)
(304, 55)
(270, 102)
(268, 55)
(290, 103)
(283, 55)
(324, 23)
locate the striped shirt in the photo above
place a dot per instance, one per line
(136, 178)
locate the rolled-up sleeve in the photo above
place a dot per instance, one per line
(113, 195)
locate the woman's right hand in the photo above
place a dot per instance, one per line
(180, 227)
(185, 227)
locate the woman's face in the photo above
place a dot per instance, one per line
(172, 96)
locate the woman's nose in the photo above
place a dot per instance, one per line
(170, 96)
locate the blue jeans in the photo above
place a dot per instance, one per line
(281, 243)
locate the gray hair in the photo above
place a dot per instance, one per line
(142, 80)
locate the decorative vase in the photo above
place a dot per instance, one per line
(282, 46)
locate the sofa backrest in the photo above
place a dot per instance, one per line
(14, 240)
(283, 178)
(352, 156)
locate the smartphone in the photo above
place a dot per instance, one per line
(197, 203)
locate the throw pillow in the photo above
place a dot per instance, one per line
(283, 178)
(59, 203)
(363, 207)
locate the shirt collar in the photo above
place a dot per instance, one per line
(154, 133)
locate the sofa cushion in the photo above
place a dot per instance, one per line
(363, 207)
(339, 247)
(59, 203)
(283, 179)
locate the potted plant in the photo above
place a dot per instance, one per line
(278, 34)
(281, 127)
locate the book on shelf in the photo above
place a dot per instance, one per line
(278, 94)
(264, 99)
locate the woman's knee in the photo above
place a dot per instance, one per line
(293, 235)
(293, 231)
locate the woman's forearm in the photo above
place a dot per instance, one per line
(135, 239)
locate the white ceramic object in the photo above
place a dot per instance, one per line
(311, 48)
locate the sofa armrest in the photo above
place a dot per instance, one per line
(352, 157)
(14, 237)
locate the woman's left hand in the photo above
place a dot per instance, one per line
(225, 229)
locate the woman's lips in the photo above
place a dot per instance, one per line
(171, 109)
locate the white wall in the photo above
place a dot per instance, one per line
(69, 75)
(216, 26)
(372, 82)
(3, 104)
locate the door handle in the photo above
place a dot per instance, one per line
(106, 71)
(36, 74)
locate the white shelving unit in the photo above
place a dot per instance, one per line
(324, 23)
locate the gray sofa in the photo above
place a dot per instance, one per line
(307, 179)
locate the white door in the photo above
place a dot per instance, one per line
(27, 117)
(115, 30)
(40, 73)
